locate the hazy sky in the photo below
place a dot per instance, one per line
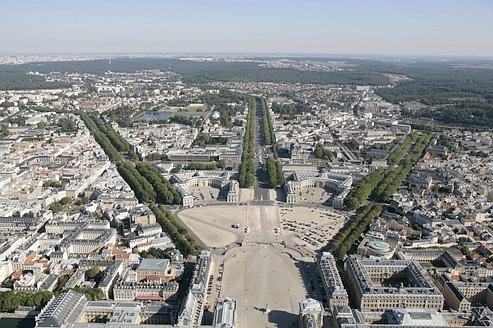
(413, 27)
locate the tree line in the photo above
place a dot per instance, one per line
(180, 236)
(268, 128)
(381, 184)
(165, 192)
(141, 187)
(396, 175)
(246, 176)
(403, 149)
(20, 81)
(101, 138)
(275, 176)
(344, 240)
(158, 190)
(115, 138)
(148, 185)
(273, 167)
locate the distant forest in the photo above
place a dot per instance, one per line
(459, 92)
(452, 93)
(22, 81)
(203, 72)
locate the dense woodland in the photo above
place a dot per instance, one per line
(22, 81)
(454, 94)
(203, 72)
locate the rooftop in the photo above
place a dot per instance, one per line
(153, 265)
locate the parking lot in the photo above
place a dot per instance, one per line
(311, 227)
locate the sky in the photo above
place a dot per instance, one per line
(364, 27)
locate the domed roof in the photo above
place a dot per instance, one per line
(379, 246)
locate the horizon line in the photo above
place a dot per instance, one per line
(252, 54)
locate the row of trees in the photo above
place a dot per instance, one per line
(268, 129)
(101, 138)
(180, 236)
(146, 182)
(274, 173)
(246, 176)
(142, 189)
(165, 192)
(148, 185)
(403, 149)
(361, 191)
(395, 176)
(381, 184)
(273, 167)
(115, 138)
(342, 243)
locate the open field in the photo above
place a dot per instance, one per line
(213, 225)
